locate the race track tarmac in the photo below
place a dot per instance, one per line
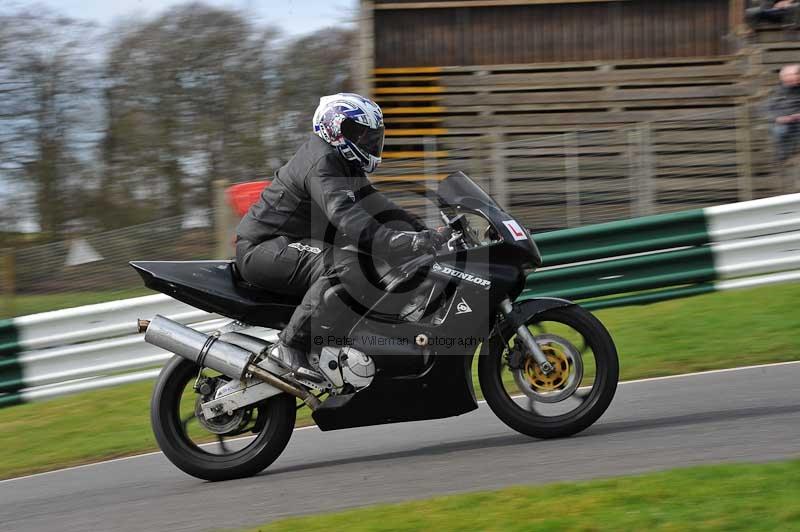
(750, 414)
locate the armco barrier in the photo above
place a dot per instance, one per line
(673, 255)
(84, 348)
(630, 262)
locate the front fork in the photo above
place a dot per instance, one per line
(507, 308)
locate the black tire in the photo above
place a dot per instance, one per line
(594, 405)
(268, 444)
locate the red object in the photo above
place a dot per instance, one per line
(243, 195)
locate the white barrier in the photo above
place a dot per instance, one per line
(103, 320)
(78, 349)
(94, 346)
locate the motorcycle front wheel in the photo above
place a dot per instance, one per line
(569, 399)
(230, 446)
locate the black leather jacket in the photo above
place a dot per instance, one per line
(319, 195)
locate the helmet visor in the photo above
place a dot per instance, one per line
(369, 140)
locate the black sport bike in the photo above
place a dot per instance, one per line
(221, 409)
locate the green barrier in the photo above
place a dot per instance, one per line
(639, 235)
(618, 276)
(11, 399)
(650, 297)
(666, 252)
(10, 369)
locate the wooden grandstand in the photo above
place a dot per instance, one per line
(637, 106)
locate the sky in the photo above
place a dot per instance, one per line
(294, 17)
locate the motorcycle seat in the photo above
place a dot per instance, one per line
(216, 287)
(258, 292)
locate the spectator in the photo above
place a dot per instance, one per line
(772, 12)
(784, 115)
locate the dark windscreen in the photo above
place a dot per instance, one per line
(458, 189)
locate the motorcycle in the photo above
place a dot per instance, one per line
(221, 409)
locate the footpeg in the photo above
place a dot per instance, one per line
(305, 373)
(294, 361)
(300, 372)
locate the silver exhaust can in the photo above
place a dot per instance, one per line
(205, 350)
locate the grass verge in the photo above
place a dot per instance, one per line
(726, 498)
(708, 332)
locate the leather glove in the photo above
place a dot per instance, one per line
(442, 235)
(429, 240)
(425, 241)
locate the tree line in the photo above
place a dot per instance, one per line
(105, 129)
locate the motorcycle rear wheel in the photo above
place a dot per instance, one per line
(270, 433)
(522, 411)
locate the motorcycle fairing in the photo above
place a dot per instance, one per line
(413, 385)
(443, 391)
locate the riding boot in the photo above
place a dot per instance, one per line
(294, 360)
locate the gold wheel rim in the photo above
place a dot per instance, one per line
(555, 380)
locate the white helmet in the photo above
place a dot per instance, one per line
(354, 125)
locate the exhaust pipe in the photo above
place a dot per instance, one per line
(214, 353)
(202, 349)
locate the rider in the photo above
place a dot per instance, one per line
(285, 242)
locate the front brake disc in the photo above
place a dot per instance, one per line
(559, 384)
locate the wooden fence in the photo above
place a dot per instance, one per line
(565, 144)
(427, 33)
